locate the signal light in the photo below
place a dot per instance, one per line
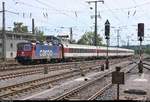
(107, 28)
(141, 30)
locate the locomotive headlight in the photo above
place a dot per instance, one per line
(22, 53)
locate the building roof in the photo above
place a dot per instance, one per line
(14, 33)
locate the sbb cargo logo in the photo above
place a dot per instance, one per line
(46, 53)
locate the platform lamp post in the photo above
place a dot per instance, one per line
(107, 31)
(140, 38)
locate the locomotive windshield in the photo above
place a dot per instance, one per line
(24, 47)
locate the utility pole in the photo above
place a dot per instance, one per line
(95, 38)
(71, 35)
(3, 33)
(118, 37)
(33, 29)
(140, 38)
(128, 43)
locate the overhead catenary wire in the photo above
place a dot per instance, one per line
(113, 14)
(48, 9)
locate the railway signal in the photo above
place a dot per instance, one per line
(140, 38)
(118, 78)
(107, 31)
(141, 31)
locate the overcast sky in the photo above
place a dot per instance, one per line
(51, 15)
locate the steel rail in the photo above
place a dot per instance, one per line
(76, 89)
(29, 87)
(108, 85)
(36, 71)
(10, 68)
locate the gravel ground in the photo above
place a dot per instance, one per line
(64, 86)
(109, 94)
(21, 79)
(57, 89)
(61, 87)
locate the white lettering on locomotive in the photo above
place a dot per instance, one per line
(46, 53)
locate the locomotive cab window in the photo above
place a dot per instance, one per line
(24, 46)
(20, 47)
(27, 47)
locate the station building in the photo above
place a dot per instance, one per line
(12, 39)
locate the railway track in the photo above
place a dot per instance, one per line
(76, 92)
(40, 69)
(31, 72)
(13, 90)
(11, 67)
(5, 67)
(7, 91)
(102, 90)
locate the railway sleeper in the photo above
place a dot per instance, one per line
(41, 84)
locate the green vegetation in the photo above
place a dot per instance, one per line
(88, 39)
(20, 28)
(145, 49)
(40, 34)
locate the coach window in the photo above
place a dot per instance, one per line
(11, 45)
(83, 51)
(70, 50)
(78, 50)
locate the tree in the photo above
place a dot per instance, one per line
(20, 28)
(39, 34)
(88, 39)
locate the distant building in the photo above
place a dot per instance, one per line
(12, 39)
(50, 38)
(58, 39)
(64, 38)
